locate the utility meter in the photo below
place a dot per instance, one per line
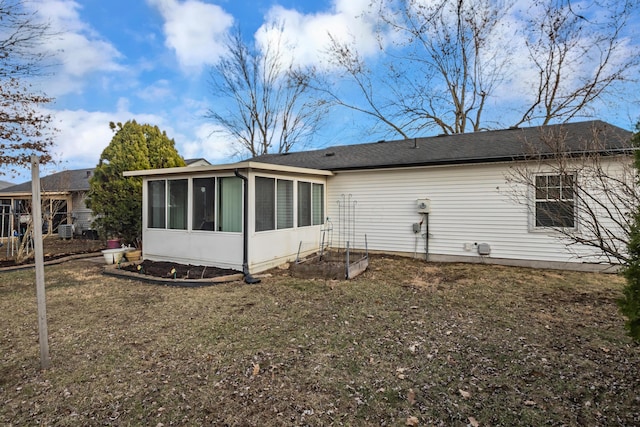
(424, 205)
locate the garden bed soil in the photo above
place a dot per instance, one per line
(329, 266)
(171, 270)
(54, 248)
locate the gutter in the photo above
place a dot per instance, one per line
(248, 278)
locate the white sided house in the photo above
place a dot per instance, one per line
(504, 197)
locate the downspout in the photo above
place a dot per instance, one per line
(248, 278)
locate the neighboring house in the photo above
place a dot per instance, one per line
(447, 198)
(5, 184)
(197, 162)
(63, 195)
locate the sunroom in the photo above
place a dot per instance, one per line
(246, 216)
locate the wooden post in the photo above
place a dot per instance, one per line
(36, 218)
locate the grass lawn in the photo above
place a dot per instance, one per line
(405, 343)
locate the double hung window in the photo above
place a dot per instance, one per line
(555, 201)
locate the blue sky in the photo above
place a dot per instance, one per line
(148, 59)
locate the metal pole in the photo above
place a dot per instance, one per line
(426, 239)
(349, 230)
(346, 272)
(36, 218)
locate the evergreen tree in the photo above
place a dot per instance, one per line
(115, 200)
(630, 302)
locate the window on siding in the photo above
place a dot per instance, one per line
(203, 204)
(178, 199)
(318, 204)
(230, 204)
(156, 202)
(554, 201)
(265, 203)
(284, 205)
(304, 204)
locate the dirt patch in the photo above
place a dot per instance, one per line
(172, 270)
(329, 266)
(53, 248)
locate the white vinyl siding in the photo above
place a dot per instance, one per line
(469, 204)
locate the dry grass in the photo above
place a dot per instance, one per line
(448, 344)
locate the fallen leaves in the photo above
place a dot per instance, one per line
(412, 421)
(464, 394)
(411, 397)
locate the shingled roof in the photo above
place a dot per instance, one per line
(476, 147)
(65, 181)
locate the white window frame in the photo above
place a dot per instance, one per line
(533, 218)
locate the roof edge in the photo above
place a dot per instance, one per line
(228, 167)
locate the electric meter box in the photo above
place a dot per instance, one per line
(424, 206)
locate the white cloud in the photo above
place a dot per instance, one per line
(84, 134)
(194, 30)
(76, 47)
(347, 21)
(160, 90)
(210, 144)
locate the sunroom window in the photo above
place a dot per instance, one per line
(178, 196)
(204, 204)
(230, 204)
(304, 204)
(265, 203)
(156, 202)
(310, 204)
(318, 204)
(216, 204)
(284, 206)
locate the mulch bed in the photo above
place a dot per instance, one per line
(170, 270)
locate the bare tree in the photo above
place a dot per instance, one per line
(448, 59)
(582, 190)
(24, 129)
(263, 102)
(439, 73)
(578, 55)
(374, 103)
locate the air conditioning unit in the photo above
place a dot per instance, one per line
(65, 231)
(424, 206)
